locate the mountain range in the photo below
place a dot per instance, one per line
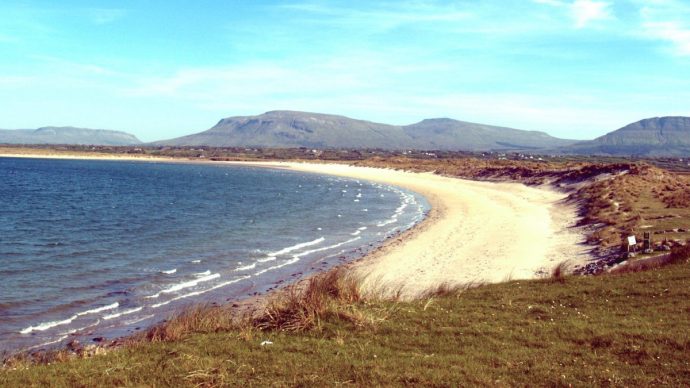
(67, 135)
(658, 136)
(287, 129)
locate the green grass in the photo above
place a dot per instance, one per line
(631, 329)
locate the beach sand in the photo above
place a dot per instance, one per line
(476, 232)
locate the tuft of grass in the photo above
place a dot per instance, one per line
(680, 254)
(301, 308)
(198, 319)
(559, 272)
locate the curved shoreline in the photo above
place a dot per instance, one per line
(476, 232)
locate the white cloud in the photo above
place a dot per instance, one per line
(105, 15)
(382, 17)
(582, 12)
(553, 3)
(585, 11)
(672, 32)
(667, 21)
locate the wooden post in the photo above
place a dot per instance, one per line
(647, 243)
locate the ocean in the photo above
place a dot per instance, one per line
(92, 248)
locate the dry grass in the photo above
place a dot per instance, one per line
(559, 272)
(198, 319)
(301, 308)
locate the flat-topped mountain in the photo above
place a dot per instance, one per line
(658, 136)
(67, 135)
(315, 130)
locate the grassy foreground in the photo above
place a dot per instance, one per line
(631, 329)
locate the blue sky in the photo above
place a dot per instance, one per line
(162, 69)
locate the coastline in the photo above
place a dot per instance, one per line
(476, 232)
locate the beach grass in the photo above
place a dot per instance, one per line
(631, 329)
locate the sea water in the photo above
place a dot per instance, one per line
(92, 249)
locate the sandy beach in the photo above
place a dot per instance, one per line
(476, 232)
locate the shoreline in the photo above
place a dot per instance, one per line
(459, 242)
(475, 232)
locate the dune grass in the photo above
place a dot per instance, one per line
(627, 329)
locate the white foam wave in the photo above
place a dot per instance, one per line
(170, 272)
(82, 328)
(100, 309)
(291, 261)
(196, 261)
(200, 292)
(183, 285)
(305, 253)
(388, 221)
(48, 325)
(125, 312)
(202, 274)
(246, 267)
(64, 337)
(297, 246)
(137, 320)
(270, 258)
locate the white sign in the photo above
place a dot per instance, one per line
(631, 240)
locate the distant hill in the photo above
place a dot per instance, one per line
(658, 136)
(449, 134)
(67, 135)
(316, 130)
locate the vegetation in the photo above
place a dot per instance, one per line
(631, 329)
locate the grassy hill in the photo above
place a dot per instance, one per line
(631, 330)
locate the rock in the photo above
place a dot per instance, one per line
(74, 345)
(99, 339)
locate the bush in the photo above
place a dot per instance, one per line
(680, 254)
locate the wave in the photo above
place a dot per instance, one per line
(291, 261)
(137, 320)
(126, 312)
(183, 285)
(170, 272)
(300, 255)
(195, 293)
(49, 325)
(62, 338)
(202, 274)
(388, 221)
(297, 246)
(246, 267)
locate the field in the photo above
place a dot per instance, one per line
(629, 329)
